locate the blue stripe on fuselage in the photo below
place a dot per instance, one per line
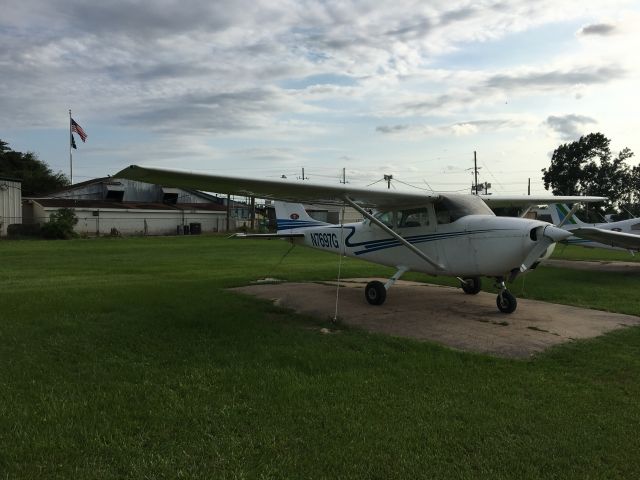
(376, 245)
(285, 224)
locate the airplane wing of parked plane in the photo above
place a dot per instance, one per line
(608, 237)
(308, 192)
(494, 201)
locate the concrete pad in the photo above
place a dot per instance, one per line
(446, 315)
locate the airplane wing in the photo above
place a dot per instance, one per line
(608, 237)
(287, 191)
(494, 201)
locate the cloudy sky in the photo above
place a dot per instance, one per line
(267, 87)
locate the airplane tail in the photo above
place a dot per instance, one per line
(292, 216)
(559, 212)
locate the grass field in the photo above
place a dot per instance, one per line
(126, 358)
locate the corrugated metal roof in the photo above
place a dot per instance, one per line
(97, 204)
(9, 179)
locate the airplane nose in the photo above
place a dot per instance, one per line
(556, 234)
(550, 235)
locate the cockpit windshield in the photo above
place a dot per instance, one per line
(448, 208)
(452, 207)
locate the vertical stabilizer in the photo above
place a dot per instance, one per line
(560, 211)
(292, 216)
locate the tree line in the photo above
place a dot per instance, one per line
(37, 178)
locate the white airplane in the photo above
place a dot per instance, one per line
(449, 234)
(622, 235)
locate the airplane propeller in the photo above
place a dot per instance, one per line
(545, 236)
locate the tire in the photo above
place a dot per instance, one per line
(506, 302)
(375, 293)
(471, 285)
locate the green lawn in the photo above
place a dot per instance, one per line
(126, 358)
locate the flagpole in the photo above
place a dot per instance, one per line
(70, 150)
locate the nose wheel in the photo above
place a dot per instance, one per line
(505, 300)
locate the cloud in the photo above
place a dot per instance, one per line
(460, 129)
(598, 29)
(392, 128)
(212, 111)
(569, 127)
(492, 89)
(457, 129)
(556, 78)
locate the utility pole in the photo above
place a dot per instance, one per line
(529, 187)
(475, 170)
(303, 177)
(228, 211)
(388, 179)
(253, 213)
(474, 185)
(344, 176)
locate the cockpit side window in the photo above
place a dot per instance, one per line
(386, 218)
(443, 215)
(416, 217)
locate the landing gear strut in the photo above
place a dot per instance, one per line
(505, 300)
(376, 292)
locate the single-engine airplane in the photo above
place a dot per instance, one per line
(622, 235)
(438, 234)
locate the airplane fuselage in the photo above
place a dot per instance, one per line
(475, 245)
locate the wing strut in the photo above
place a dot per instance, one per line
(395, 235)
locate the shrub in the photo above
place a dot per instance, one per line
(60, 225)
(18, 230)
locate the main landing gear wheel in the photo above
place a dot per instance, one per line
(471, 285)
(506, 302)
(375, 292)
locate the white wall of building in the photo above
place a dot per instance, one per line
(139, 221)
(10, 204)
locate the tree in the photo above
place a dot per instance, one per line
(586, 167)
(37, 178)
(634, 206)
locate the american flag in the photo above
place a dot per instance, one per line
(78, 129)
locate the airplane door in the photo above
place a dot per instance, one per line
(416, 225)
(456, 247)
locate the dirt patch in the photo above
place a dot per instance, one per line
(446, 315)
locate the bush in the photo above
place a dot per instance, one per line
(60, 225)
(17, 230)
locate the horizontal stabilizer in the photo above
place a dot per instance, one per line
(268, 235)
